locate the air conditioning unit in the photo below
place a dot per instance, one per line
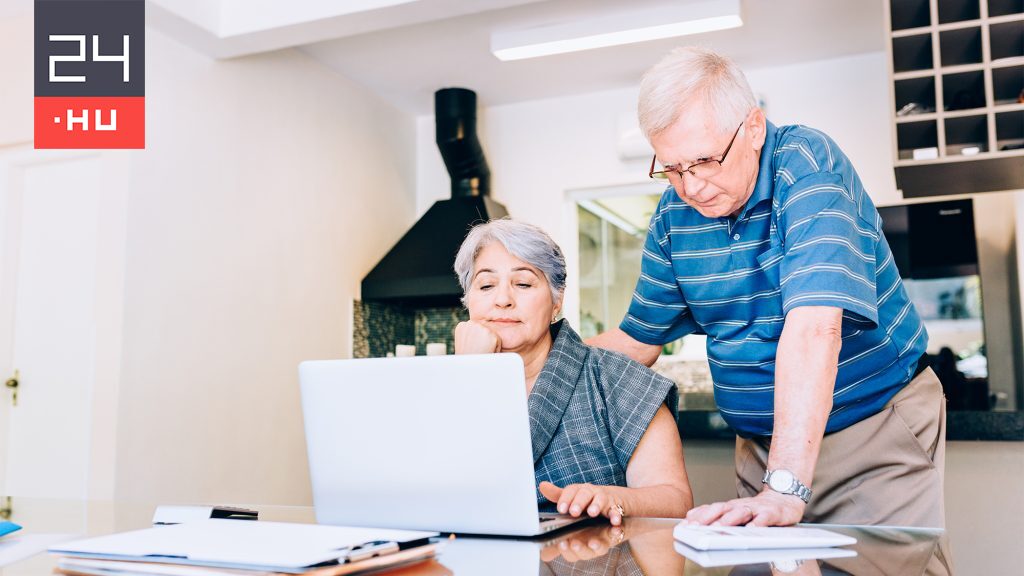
(631, 143)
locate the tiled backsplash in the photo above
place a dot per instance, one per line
(378, 327)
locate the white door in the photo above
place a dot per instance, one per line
(61, 270)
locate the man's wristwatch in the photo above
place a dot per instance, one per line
(785, 482)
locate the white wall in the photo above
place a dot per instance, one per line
(16, 125)
(541, 151)
(848, 98)
(16, 89)
(267, 189)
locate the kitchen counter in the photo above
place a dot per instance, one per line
(960, 425)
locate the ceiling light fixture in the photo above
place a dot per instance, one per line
(617, 29)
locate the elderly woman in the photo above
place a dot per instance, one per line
(604, 433)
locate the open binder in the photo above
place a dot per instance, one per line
(232, 545)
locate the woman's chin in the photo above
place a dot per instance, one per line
(511, 345)
(517, 337)
(511, 341)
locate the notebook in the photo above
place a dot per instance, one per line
(713, 558)
(756, 537)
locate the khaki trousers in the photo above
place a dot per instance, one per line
(884, 470)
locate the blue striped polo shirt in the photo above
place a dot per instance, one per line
(808, 236)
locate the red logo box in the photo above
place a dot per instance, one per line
(90, 122)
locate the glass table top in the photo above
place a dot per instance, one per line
(639, 546)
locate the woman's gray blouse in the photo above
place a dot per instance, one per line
(588, 410)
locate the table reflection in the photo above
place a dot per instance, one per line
(639, 546)
(646, 546)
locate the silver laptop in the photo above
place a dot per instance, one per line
(432, 442)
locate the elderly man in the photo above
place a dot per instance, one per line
(767, 242)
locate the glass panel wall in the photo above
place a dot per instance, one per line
(611, 236)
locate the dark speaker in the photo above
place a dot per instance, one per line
(932, 240)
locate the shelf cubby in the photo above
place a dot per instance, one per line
(912, 53)
(960, 46)
(919, 91)
(1007, 85)
(1006, 39)
(966, 135)
(906, 14)
(1010, 130)
(958, 11)
(998, 8)
(963, 90)
(916, 136)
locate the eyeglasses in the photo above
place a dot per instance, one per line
(704, 169)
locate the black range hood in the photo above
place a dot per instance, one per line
(418, 270)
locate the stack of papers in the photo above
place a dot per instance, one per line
(712, 546)
(233, 547)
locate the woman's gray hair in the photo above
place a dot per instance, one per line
(524, 241)
(693, 76)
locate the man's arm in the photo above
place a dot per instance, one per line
(805, 376)
(806, 363)
(617, 340)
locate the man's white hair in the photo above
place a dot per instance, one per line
(691, 76)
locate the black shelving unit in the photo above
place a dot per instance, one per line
(957, 69)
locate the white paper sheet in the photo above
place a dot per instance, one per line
(236, 543)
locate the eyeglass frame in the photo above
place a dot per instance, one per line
(651, 173)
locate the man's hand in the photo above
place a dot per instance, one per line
(472, 337)
(590, 499)
(769, 508)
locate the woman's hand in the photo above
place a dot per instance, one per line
(585, 544)
(592, 500)
(472, 337)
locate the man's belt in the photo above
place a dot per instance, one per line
(922, 363)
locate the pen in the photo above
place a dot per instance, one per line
(370, 549)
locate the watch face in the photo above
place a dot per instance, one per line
(781, 480)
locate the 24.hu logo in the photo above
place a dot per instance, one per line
(90, 82)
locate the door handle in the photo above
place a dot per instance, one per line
(12, 383)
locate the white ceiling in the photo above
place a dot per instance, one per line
(406, 65)
(404, 50)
